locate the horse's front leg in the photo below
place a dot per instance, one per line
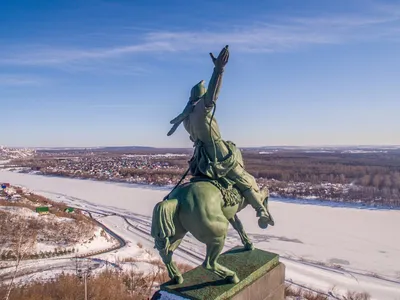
(237, 224)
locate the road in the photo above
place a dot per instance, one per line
(306, 238)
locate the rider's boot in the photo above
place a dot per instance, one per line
(256, 199)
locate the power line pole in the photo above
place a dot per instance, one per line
(85, 275)
(85, 287)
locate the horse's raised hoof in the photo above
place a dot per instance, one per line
(233, 279)
(249, 246)
(263, 222)
(178, 279)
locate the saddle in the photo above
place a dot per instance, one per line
(230, 193)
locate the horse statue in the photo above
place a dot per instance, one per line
(220, 188)
(205, 208)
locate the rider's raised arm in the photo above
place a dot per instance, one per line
(213, 88)
(216, 79)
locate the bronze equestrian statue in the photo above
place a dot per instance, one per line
(220, 186)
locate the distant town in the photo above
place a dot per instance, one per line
(360, 174)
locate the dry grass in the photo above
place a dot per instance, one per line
(303, 294)
(124, 286)
(56, 208)
(47, 229)
(31, 201)
(104, 286)
(16, 204)
(357, 296)
(107, 285)
(158, 263)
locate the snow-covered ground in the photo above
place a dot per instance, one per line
(8, 153)
(325, 248)
(56, 233)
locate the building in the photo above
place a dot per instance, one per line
(41, 210)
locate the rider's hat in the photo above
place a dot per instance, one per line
(198, 91)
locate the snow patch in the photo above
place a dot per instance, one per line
(168, 296)
(322, 247)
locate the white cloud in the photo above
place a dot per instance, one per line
(19, 80)
(277, 35)
(288, 33)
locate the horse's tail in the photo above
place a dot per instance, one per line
(162, 225)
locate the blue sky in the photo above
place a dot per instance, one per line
(95, 73)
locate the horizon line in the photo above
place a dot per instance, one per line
(166, 147)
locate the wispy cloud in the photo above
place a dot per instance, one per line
(20, 80)
(48, 56)
(273, 35)
(288, 34)
(113, 106)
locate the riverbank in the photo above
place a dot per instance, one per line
(329, 249)
(325, 194)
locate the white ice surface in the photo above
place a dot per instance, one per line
(312, 240)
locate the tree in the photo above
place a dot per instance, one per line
(25, 240)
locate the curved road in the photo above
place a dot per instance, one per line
(139, 226)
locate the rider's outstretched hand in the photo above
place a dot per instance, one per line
(222, 58)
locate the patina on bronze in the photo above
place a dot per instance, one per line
(220, 186)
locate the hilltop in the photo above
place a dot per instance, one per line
(34, 227)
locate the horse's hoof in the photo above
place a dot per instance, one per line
(249, 246)
(263, 223)
(178, 279)
(233, 279)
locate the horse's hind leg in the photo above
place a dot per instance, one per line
(214, 249)
(238, 226)
(166, 255)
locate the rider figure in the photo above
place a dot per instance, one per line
(213, 156)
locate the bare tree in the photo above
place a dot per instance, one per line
(25, 239)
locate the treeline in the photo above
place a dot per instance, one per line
(374, 170)
(334, 168)
(170, 172)
(365, 177)
(389, 180)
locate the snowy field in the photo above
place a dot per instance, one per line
(330, 249)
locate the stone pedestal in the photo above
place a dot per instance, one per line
(261, 276)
